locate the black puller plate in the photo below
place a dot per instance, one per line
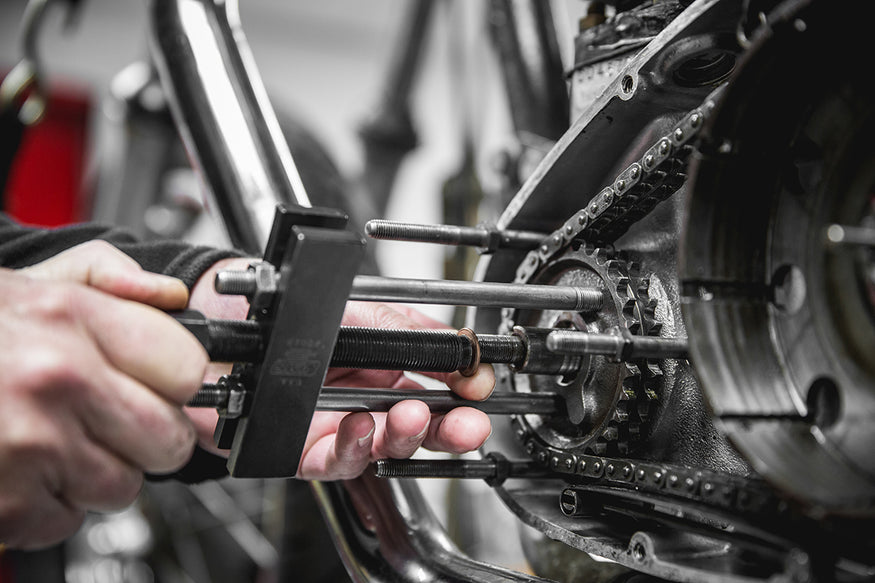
(316, 275)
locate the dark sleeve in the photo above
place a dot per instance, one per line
(21, 246)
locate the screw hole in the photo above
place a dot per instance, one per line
(824, 403)
(639, 553)
(788, 289)
(627, 84)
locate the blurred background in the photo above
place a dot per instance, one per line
(325, 66)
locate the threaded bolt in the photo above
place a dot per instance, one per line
(210, 395)
(413, 350)
(502, 349)
(389, 468)
(235, 283)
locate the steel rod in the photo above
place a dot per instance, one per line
(490, 469)
(481, 294)
(847, 235)
(452, 235)
(371, 288)
(620, 347)
(381, 400)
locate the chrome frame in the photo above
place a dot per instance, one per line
(232, 135)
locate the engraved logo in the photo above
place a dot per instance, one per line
(301, 358)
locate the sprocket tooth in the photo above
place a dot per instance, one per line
(651, 371)
(633, 268)
(627, 296)
(611, 433)
(643, 286)
(603, 255)
(646, 404)
(616, 269)
(630, 309)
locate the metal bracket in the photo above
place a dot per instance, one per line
(267, 440)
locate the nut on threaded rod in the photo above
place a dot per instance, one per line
(489, 239)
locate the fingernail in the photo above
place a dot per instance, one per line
(160, 281)
(419, 435)
(365, 440)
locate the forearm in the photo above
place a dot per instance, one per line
(23, 246)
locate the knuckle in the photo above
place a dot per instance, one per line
(49, 371)
(32, 444)
(58, 303)
(179, 446)
(97, 251)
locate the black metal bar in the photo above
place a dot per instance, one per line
(493, 468)
(351, 399)
(439, 401)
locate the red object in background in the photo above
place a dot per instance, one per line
(5, 568)
(46, 180)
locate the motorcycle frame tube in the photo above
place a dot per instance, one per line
(224, 116)
(397, 538)
(233, 138)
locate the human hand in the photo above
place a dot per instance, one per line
(340, 445)
(92, 389)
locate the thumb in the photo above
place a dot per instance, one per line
(100, 265)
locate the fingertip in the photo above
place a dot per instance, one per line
(164, 292)
(476, 387)
(461, 430)
(409, 418)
